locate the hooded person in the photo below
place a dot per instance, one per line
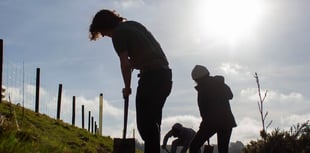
(213, 96)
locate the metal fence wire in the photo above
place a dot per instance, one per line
(20, 83)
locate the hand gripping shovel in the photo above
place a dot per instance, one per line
(123, 145)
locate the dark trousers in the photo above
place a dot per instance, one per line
(153, 89)
(204, 134)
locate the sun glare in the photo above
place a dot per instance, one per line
(229, 20)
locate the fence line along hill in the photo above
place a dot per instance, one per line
(22, 130)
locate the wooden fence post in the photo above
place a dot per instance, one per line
(88, 121)
(1, 67)
(59, 101)
(82, 116)
(100, 112)
(37, 91)
(96, 127)
(92, 124)
(73, 110)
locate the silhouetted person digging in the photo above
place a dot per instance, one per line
(213, 102)
(184, 137)
(138, 49)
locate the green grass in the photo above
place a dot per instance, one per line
(39, 133)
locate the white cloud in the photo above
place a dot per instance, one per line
(272, 96)
(229, 68)
(292, 97)
(13, 94)
(126, 4)
(246, 130)
(294, 119)
(249, 95)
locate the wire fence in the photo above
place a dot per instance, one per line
(20, 89)
(24, 88)
(20, 84)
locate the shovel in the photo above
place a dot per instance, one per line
(208, 148)
(124, 145)
(166, 150)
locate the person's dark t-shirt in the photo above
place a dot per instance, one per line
(143, 50)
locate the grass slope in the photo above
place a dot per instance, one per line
(38, 133)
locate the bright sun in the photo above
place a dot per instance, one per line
(229, 20)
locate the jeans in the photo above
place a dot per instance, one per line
(152, 91)
(204, 134)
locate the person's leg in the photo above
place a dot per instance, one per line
(150, 99)
(202, 135)
(223, 137)
(146, 121)
(174, 146)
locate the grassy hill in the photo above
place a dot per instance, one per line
(24, 131)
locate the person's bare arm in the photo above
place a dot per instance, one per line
(126, 73)
(167, 136)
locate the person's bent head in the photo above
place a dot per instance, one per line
(176, 129)
(102, 21)
(200, 72)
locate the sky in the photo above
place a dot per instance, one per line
(233, 38)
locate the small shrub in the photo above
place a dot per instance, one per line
(296, 140)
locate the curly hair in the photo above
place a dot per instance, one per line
(103, 20)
